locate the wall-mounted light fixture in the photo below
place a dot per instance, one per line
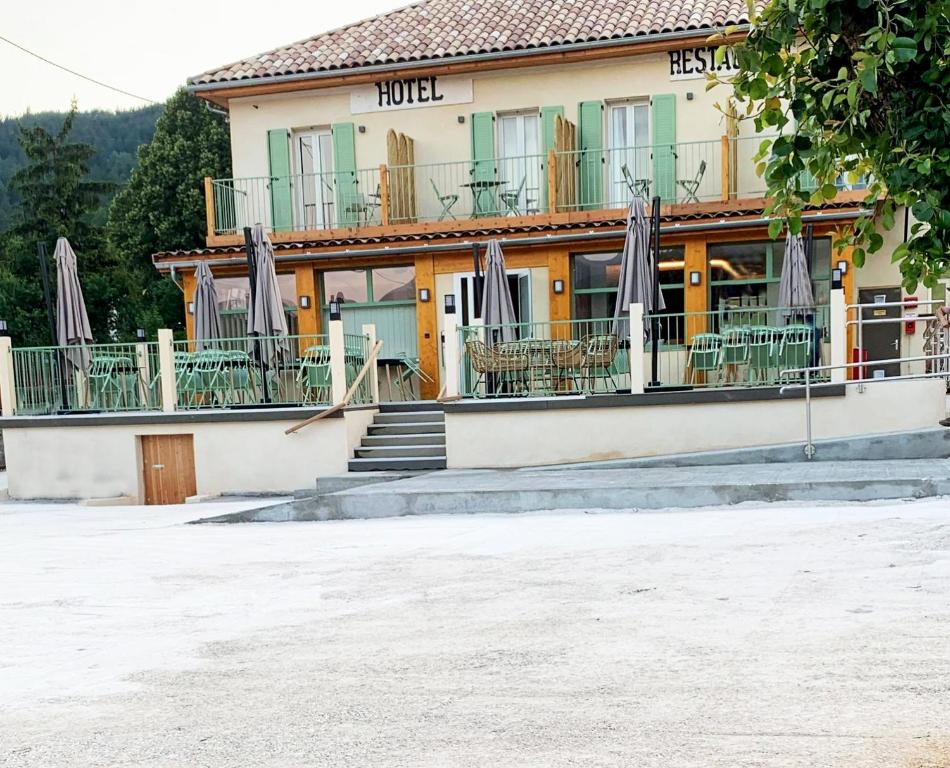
(140, 334)
(334, 310)
(558, 286)
(423, 294)
(695, 278)
(461, 119)
(450, 303)
(842, 267)
(689, 95)
(191, 307)
(304, 302)
(836, 278)
(362, 129)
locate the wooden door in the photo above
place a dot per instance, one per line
(168, 468)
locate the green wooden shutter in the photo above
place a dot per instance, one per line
(663, 117)
(344, 173)
(483, 162)
(281, 204)
(547, 143)
(590, 142)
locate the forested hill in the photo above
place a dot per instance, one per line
(115, 136)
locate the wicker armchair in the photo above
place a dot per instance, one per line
(505, 363)
(599, 349)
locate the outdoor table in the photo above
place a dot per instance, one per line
(481, 188)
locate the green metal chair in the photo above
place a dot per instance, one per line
(795, 349)
(447, 201)
(112, 382)
(763, 354)
(735, 353)
(691, 186)
(240, 379)
(313, 376)
(705, 355)
(511, 198)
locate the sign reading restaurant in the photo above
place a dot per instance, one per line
(410, 93)
(695, 63)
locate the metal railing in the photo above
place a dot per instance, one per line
(500, 186)
(252, 371)
(298, 202)
(685, 172)
(740, 345)
(93, 377)
(357, 348)
(540, 359)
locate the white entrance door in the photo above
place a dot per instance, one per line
(519, 162)
(628, 143)
(314, 198)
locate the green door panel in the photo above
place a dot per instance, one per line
(590, 141)
(281, 204)
(663, 117)
(344, 172)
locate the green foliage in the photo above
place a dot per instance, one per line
(162, 207)
(56, 200)
(114, 135)
(856, 88)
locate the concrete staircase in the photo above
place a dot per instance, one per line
(403, 436)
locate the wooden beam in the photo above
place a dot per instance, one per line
(383, 194)
(427, 326)
(725, 181)
(209, 208)
(696, 297)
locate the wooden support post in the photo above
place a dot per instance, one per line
(552, 182)
(724, 152)
(337, 361)
(209, 207)
(637, 372)
(383, 194)
(7, 377)
(166, 368)
(369, 331)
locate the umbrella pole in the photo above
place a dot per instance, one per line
(252, 281)
(48, 298)
(654, 320)
(477, 285)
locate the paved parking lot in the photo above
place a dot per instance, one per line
(748, 636)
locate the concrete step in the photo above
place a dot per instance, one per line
(432, 438)
(414, 405)
(409, 417)
(414, 428)
(396, 463)
(389, 451)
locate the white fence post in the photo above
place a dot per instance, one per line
(451, 353)
(636, 349)
(838, 320)
(369, 331)
(7, 378)
(337, 360)
(166, 369)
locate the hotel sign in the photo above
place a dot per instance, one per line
(410, 93)
(695, 63)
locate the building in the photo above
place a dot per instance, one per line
(377, 154)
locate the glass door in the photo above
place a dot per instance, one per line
(628, 148)
(315, 181)
(519, 167)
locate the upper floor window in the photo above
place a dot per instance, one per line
(519, 161)
(628, 151)
(313, 151)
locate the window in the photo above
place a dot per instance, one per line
(370, 286)
(751, 272)
(519, 161)
(314, 158)
(597, 275)
(628, 149)
(234, 294)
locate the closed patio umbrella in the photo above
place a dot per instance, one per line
(207, 313)
(794, 288)
(637, 272)
(497, 307)
(72, 322)
(265, 314)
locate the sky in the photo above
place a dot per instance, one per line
(146, 48)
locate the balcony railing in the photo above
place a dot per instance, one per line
(717, 170)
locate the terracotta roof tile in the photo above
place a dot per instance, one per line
(437, 29)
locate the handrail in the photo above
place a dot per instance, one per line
(370, 358)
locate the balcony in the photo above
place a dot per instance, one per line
(570, 185)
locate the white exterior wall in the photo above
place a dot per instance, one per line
(438, 135)
(519, 438)
(105, 461)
